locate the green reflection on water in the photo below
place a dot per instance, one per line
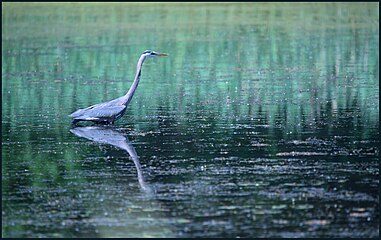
(232, 58)
(296, 69)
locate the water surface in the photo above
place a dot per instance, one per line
(262, 122)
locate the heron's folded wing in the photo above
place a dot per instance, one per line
(105, 112)
(81, 111)
(99, 112)
(111, 104)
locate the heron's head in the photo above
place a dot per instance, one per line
(149, 53)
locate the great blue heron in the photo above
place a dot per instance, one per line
(110, 111)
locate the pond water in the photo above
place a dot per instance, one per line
(263, 121)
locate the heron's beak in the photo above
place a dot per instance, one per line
(161, 54)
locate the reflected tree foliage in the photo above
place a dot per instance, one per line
(232, 67)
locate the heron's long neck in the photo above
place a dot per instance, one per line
(127, 98)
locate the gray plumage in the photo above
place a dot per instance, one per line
(109, 112)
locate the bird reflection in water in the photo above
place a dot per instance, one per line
(104, 135)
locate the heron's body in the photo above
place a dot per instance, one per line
(106, 112)
(109, 112)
